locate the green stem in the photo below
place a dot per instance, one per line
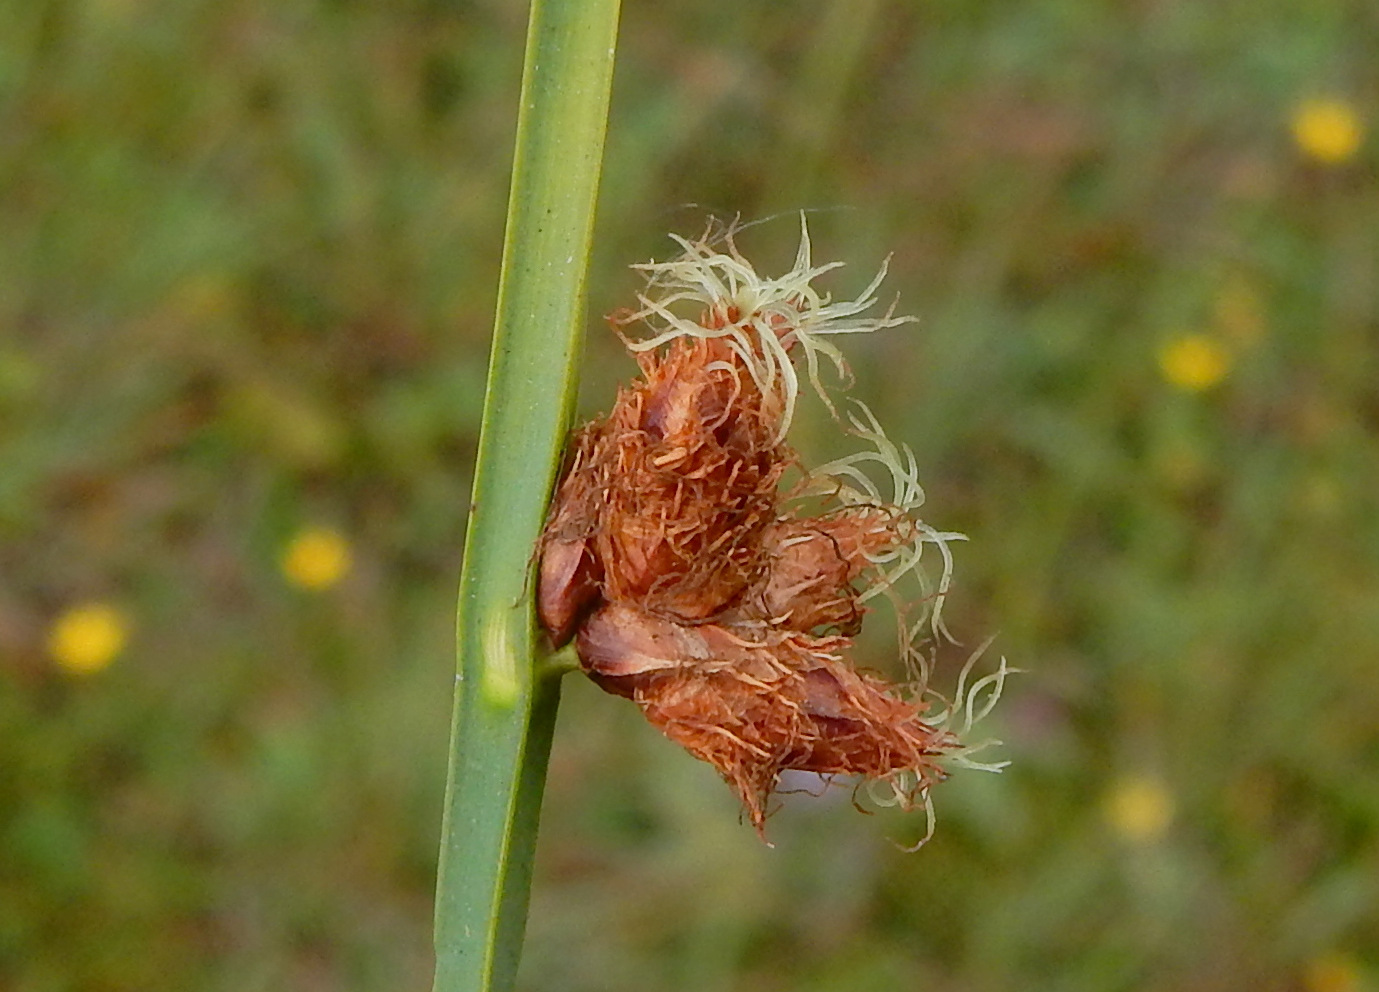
(505, 696)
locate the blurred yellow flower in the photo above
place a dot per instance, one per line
(316, 558)
(1194, 362)
(1327, 130)
(88, 637)
(1139, 808)
(1333, 973)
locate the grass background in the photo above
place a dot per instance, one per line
(248, 257)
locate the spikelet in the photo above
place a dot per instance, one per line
(694, 586)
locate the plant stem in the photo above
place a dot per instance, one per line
(505, 701)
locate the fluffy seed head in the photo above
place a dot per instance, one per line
(724, 606)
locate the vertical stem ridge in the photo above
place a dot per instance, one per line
(504, 709)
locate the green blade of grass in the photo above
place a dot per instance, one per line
(504, 703)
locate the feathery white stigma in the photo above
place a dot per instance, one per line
(763, 318)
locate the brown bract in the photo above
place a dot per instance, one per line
(695, 587)
(754, 702)
(666, 500)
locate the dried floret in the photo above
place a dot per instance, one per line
(755, 707)
(724, 605)
(670, 493)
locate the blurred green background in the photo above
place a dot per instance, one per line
(248, 258)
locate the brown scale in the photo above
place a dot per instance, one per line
(666, 499)
(753, 709)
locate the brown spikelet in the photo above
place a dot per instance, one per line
(696, 588)
(753, 709)
(675, 486)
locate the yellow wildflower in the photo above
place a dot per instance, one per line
(1194, 362)
(316, 558)
(1139, 808)
(1327, 130)
(88, 637)
(1333, 972)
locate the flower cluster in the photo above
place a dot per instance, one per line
(722, 601)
